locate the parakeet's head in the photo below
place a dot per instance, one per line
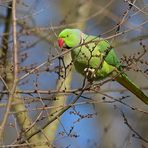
(69, 38)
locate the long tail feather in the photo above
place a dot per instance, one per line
(127, 83)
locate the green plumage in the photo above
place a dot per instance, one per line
(97, 54)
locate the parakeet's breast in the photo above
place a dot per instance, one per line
(90, 57)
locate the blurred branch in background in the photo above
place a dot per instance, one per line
(64, 84)
(12, 78)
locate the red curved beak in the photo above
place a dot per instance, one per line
(60, 42)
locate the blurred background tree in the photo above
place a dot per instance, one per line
(42, 102)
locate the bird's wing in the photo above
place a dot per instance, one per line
(109, 54)
(106, 49)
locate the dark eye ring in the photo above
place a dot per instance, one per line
(67, 35)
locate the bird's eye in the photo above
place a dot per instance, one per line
(67, 35)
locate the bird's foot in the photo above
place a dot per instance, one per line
(90, 74)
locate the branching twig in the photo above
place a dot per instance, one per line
(52, 119)
(132, 129)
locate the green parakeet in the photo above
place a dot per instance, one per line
(96, 59)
